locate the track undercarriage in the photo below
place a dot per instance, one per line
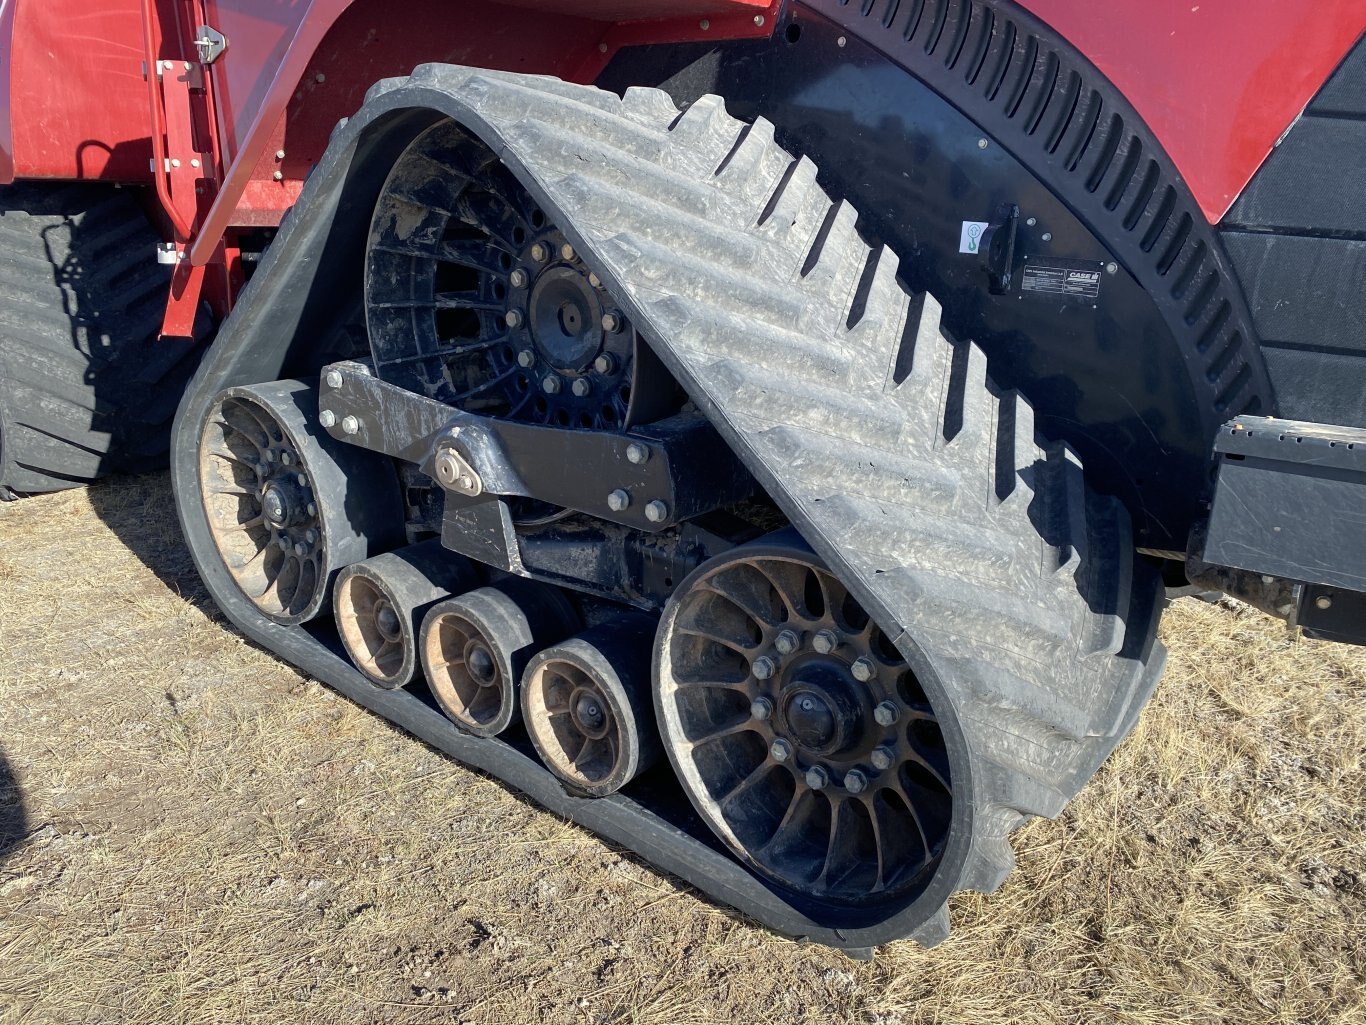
(698, 527)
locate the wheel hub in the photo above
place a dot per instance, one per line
(387, 619)
(565, 315)
(589, 714)
(283, 503)
(479, 661)
(819, 711)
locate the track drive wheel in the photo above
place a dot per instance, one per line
(287, 505)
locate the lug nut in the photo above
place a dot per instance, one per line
(350, 425)
(610, 323)
(886, 714)
(282, 542)
(780, 749)
(262, 469)
(825, 642)
(327, 418)
(526, 358)
(513, 318)
(551, 384)
(312, 509)
(518, 278)
(619, 500)
(656, 511)
(566, 252)
(581, 387)
(302, 480)
(539, 252)
(763, 668)
(300, 549)
(605, 364)
(881, 758)
(862, 669)
(286, 459)
(333, 379)
(786, 642)
(855, 781)
(272, 455)
(311, 536)
(817, 777)
(760, 708)
(595, 281)
(637, 453)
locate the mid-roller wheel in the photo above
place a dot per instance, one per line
(798, 729)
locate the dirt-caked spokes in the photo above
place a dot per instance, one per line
(798, 729)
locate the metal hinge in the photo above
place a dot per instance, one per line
(210, 43)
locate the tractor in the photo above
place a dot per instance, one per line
(765, 432)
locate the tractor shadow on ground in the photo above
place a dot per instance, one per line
(14, 828)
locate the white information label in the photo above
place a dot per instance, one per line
(971, 239)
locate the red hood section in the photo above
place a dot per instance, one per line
(1218, 81)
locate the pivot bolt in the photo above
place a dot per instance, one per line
(333, 379)
(566, 252)
(518, 278)
(862, 670)
(350, 425)
(656, 511)
(526, 358)
(327, 418)
(761, 708)
(763, 668)
(855, 781)
(881, 758)
(540, 253)
(787, 642)
(551, 384)
(513, 318)
(780, 749)
(605, 364)
(825, 642)
(886, 714)
(637, 453)
(817, 777)
(619, 500)
(581, 387)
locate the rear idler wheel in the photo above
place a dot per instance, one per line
(287, 505)
(475, 648)
(586, 704)
(799, 731)
(380, 605)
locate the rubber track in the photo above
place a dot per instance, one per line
(925, 488)
(85, 387)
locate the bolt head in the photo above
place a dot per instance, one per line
(311, 536)
(518, 278)
(863, 670)
(540, 253)
(619, 500)
(637, 453)
(656, 511)
(513, 318)
(787, 642)
(763, 668)
(327, 418)
(350, 425)
(300, 549)
(279, 176)
(595, 281)
(605, 364)
(566, 252)
(551, 384)
(882, 758)
(817, 778)
(825, 642)
(761, 708)
(287, 458)
(1112, 268)
(333, 379)
(1323, 602)
(982, 144)
(855, 781)
(886, 714)
(279, 154)
(526, 358)
(609, 323)
(282, 542)
(581, 387)
(313, 508)
(780, 749)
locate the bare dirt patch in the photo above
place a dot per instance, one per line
(206, 836)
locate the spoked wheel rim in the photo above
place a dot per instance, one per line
(799, 731)
(474, 298)
(371, 626)
(465, 673)
(575, 724)
(257, 491)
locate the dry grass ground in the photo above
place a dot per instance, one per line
(212, 838)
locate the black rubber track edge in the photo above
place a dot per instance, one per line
(1073, 616)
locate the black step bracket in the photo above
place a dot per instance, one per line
(650, 478)
(1289, 502)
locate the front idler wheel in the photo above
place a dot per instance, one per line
(586, 704)
(476, 647)
(287, 505)
(798, 729)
